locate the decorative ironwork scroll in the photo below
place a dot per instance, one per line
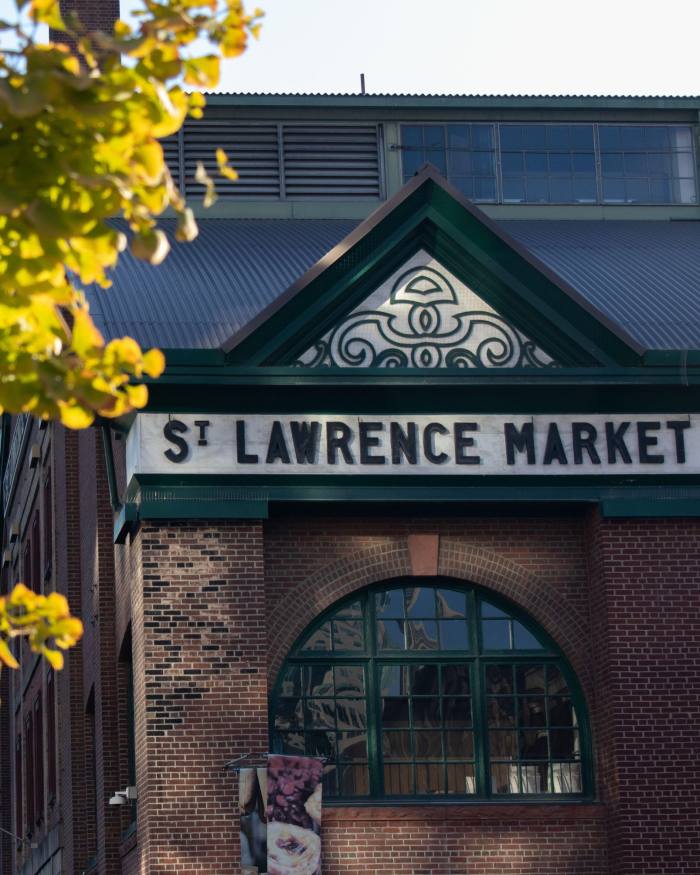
(428, 320)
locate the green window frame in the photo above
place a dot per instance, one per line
(433, 689)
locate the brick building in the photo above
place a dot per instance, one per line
(418, 492)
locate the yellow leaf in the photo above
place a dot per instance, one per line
(154, 363)
(54, 658)
(151, 246)
(74, 416)
(47, 12)
(85, 336)
(6, 655)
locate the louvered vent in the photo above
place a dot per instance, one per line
(331, 161)
(279, 161)
(171, 151)
(252, 150)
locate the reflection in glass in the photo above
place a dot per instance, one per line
(292, 742)
(389, 604)
(566, 777)
(394, 680)
(354, 780)
(390, 635)
(320, 744)
(460, 778)
(529, 678)
(496, 634)
(420, 602)
(291, 681)
(427, 745)
(459, 745)
(318, 680)
(426, 712)
(455, 680)
(564, 743)
(319, 713)
(499, 679)
(451, 603)
(320, 639)
(351, 713)
(429, 778)
(421, 635)
(533, 744)
(501, 712)
(503, 745)
(561, 711)
(504, 778)
(398, 780)
(424, 680)
(456, 712)
(532, 711)
(556, 683)
(533, 778)
(350, 680)
(395, 712)
(352, 745)
(289, 714)
(523, 639)
(396, 745)
(454, 635)
(348, 635)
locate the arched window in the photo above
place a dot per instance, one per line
(431, 688)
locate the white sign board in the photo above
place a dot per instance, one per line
(550, 445)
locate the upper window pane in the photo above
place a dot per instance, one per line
(465, 153)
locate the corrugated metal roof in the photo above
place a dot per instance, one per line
(644, 275)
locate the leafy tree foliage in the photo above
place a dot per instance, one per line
(79, 146)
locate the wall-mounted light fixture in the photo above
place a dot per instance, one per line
(123, 797)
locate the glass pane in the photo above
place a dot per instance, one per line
(460, 163)
(354, 781)
(354, 609)
(489, 610)
(503, 745)
(434, 136)
(430, 778)
(460, 778)
(564, 743)
(389, 603)
(482, 136)
(349, 680)
(427, 745)
(512, 137)
(513, 189)
(537, 189)
(533, 744)
(330, 780)
(421, 635)
(512, 162)
(499, 679)
(485, 189)
(559, 162)
(318, 680)
(398, 780)
(532, 711)
(451, 603)
(533, 778)
(612, 164)
(566, 778)
(581, 136)
(352, 745)
(396, 745)
(437, 157)
(291, 681)
(412, 136)
(495, 634)
(390, 635)
(424, 680)
(558, 136)
(420, 602)
(501, 712)
(561, 191)
(556, 683)
(459, 745)
(584, 162)
(319, 713)
(529, 678)
(394, 680)
(351, 713)
(320, 639)
(456, 712)
(536, 162)
(395, 712)
(523, 639)
(412, 162)
(292, 742)
(348, 635)
(321, 744)
(455, 680)
(289, 714)
(426, 712)
(561, 711)
(454, 635)
(458, 136)
(504, 778)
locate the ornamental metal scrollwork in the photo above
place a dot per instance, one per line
(423, 324)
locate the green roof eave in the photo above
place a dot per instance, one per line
(455, 102)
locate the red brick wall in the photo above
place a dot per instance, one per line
(645, 578)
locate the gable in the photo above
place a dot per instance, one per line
(423, 316)
(429, 281)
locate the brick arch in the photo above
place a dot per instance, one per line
(461, 561)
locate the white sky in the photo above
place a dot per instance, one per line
(474, 46)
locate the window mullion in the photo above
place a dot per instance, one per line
(478, 703)
(374, 759)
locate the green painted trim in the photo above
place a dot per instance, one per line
(466, 101)
(124, 522)
(650, 508)
(477, 658)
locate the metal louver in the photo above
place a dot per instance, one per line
(279, 161)
(331, 161)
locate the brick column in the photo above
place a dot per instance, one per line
(645, 601)
(199, 652)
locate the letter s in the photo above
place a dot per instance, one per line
(171, 432)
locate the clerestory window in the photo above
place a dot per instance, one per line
(432, 690)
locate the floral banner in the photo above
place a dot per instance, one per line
(294, 815)
(280, 811)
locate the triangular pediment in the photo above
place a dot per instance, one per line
(423, 316)
(428, 281)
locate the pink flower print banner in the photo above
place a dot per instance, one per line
(294, 815)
